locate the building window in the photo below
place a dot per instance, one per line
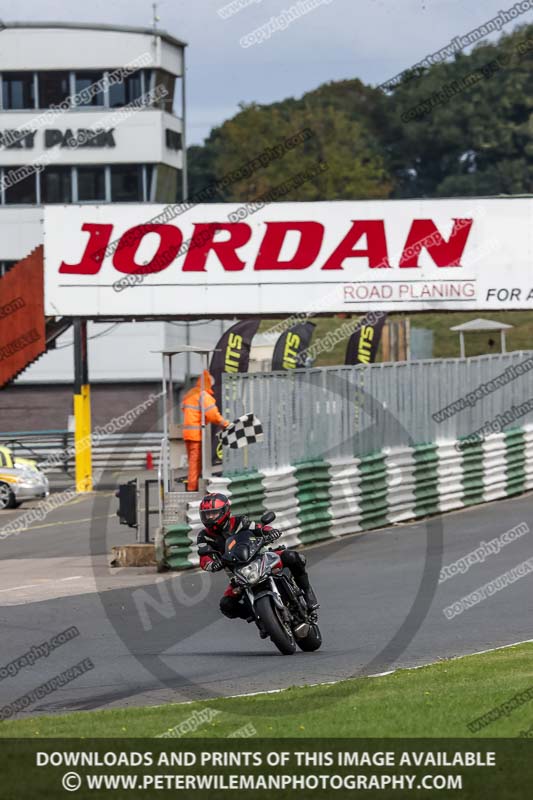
(168, 187)
(53, 88)
(23, 188)
(120, 94)
(173, 139)
(5, 266)
(18, 90)
(164, 80)
(150, 183)
(149, 79)
(91, 184)
(126, 183)
(56, 185)
(85, 80)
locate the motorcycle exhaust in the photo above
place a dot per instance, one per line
(302, 630)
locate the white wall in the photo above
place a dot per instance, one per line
(139, 137)
(84, 48)
(21, 231)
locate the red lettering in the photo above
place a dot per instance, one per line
(376, 245)
(91, 260)
(204, 234)
(311, 235)
(170, 239)
(424, 235)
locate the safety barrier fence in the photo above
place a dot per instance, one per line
(354, 411)
(324, 499)
(55, 449)
(347, 449)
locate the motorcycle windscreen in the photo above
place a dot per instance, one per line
(243, 546)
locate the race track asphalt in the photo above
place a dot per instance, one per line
(156, 639)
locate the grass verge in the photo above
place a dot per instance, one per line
(435, 701)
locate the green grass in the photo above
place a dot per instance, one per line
(445, 342)
(434, 701)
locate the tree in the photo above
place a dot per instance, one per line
(353, 166)
(460, 128)
(479, 140)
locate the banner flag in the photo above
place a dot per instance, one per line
(232, 354)
(292, 345)
(364, 342)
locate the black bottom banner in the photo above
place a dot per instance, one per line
(267, 768)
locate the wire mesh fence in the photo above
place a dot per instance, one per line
(347, 411)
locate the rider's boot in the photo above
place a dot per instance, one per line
(310, 599)
(302, 582)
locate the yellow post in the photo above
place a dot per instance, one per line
(82, 410)
(82, 440)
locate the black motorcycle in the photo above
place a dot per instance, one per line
(276, 602)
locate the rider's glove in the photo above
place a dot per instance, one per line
(214, 566)
(271, 535)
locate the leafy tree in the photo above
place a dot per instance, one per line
(411, 142)
(480, 139)
(354, 165)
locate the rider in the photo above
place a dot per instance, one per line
(215, 513)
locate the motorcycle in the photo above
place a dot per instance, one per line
(277, 604)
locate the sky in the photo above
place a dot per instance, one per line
(334, 40)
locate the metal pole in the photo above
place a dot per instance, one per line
(138, 510)
(170, 412)
(502, 337)
(165, 429)
(184, 170)
(202, 411)
(146, 512)
(170, 393)
(187, 356)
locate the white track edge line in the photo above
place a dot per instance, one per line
(341, 680)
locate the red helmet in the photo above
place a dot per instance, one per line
(215, 511)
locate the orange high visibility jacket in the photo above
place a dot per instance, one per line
(192, 409)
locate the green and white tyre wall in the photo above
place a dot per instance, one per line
(319, 500)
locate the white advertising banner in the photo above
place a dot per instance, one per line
(282, 258)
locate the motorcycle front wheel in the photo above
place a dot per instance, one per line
(282, 638)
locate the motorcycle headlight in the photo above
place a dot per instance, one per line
(251, 572)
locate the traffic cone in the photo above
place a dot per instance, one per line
(149, 461)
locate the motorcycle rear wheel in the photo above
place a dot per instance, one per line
(284, 641)
(312, 641)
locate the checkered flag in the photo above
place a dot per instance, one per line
(242, 431)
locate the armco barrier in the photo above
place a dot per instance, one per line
(319, 500)
(119, 451)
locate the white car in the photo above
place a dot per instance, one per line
(20, 480)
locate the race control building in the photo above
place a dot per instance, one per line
(90, 114)
(95, 113)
